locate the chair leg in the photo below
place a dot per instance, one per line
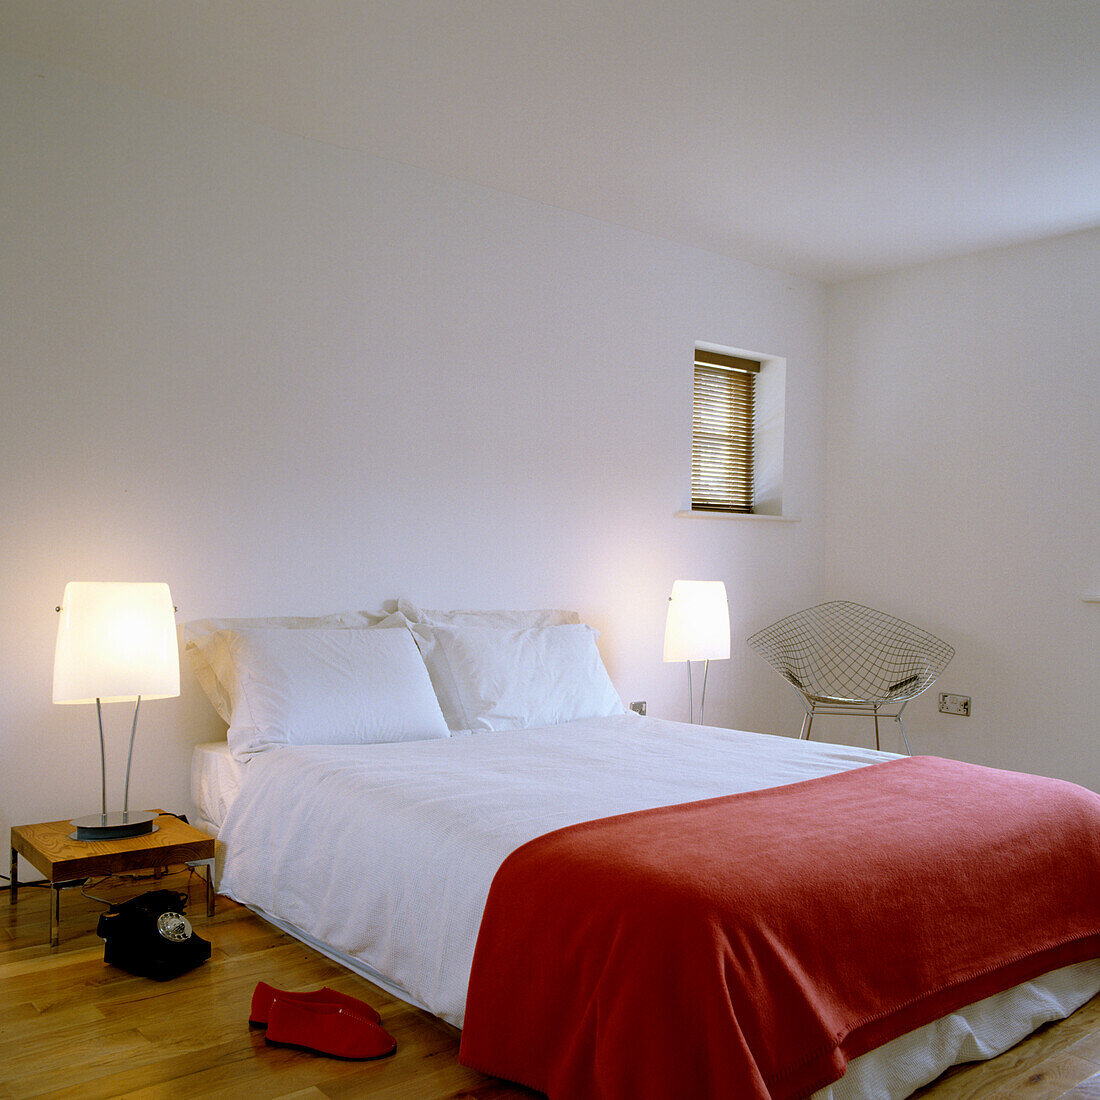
(908, 751)
(807, 722)
(878, 747)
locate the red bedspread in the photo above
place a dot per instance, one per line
(749, 946)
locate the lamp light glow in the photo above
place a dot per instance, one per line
(116, 642)
(697, 629)
(698, 624)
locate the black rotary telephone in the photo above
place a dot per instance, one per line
(149, 936)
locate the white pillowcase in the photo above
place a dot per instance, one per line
(326, 687)
(493, 678)
(541, 617)
(204, 643)
(442, 680)
(335, 620)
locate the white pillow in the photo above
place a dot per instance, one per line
(542, 617)
(326, 687)
(204, 643)
(442, 680)
(333, 621)
(491, 678)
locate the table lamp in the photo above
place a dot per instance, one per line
(697, 629)
(116, 642)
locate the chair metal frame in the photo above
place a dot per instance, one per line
(846, 659)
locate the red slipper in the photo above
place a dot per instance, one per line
(264, 994)
(330, 1029)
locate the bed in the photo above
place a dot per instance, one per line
(382, 854)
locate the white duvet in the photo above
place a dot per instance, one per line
(386, 852)
(382, 855)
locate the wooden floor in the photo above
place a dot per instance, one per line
(72, 1027)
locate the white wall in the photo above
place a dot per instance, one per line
(288, 378)
(964, 493)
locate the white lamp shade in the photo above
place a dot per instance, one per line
(116, 641)
(698, 624)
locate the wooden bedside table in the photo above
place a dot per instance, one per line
(48, 849)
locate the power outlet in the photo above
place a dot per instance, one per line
(638, 707)
(955, 704)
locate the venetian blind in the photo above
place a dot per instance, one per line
(722, 433)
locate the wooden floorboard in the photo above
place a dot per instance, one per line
(72, 1027)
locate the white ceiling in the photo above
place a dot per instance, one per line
(830, 138)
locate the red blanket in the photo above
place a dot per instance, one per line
(750, 946)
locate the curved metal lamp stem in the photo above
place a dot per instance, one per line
(102, 763)
(691, 696)
(129, 758)
(703, 696)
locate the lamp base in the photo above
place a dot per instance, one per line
(113, 826)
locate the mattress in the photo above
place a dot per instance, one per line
(426, 825)
(216, 777)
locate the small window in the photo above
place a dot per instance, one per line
(722, 443)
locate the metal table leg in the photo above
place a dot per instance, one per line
(208, 867)
(209, 887)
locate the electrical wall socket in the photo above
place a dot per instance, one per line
(638, 707)
(955, 704)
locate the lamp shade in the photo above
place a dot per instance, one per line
(698, 624)
(116, 641)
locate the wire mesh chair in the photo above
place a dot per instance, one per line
(843, 658)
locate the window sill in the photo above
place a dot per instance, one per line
(757, 516)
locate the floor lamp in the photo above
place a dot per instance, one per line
(697, 629)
